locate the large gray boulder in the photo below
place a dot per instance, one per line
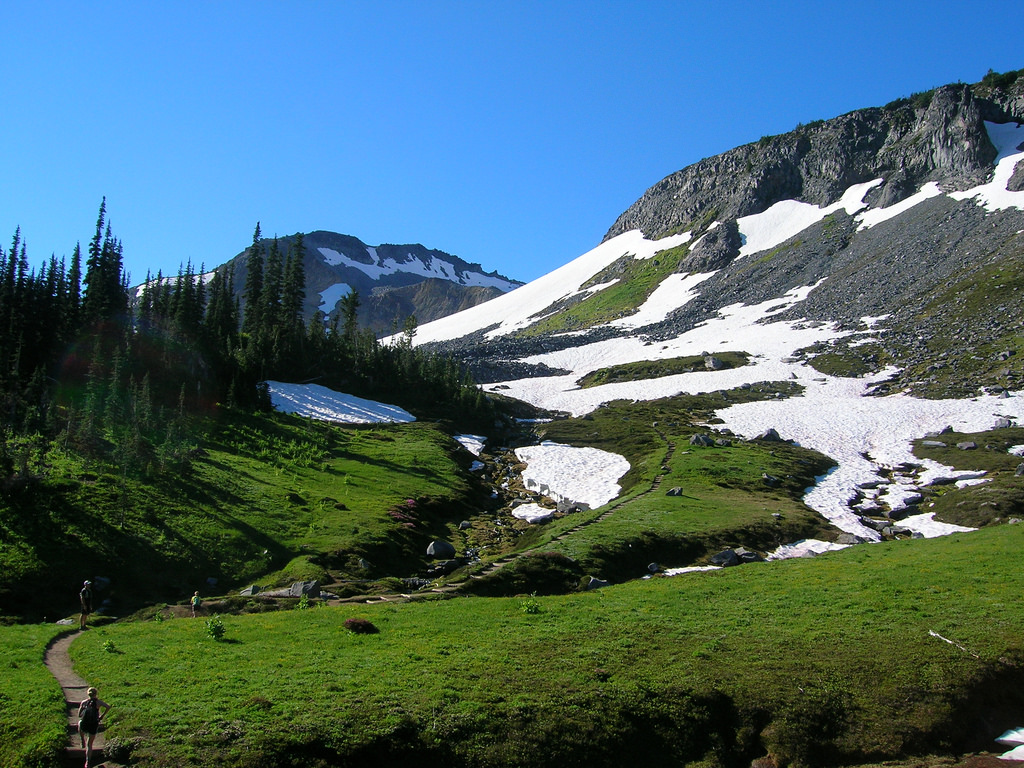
(440, 549)
(726, 558)
(308, 588)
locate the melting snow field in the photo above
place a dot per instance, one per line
(867, 436)
(565, 473)
(318, 402)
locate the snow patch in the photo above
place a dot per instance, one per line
(317, 402)
(873, 217)
(1007, 138)
(587, 475)
(330, 296)
(787, 218)
(472, 443)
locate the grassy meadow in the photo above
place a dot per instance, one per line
(874, 653)
(810, 660)
(32, 723)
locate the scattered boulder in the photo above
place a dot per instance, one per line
(933, 444)
(848, 539)
(677, 491)
(771, 435)
(252, 590)
(1020, 471)
(440, 549)
(967, 445)
(713, 363)
(726, 558)
(876, 525)
(1003, 424)
(747, 556)
(770, 480)
(308, 588)
(701, 440)
(595, 583)
(902, 513)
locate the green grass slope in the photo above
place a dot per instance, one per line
(32, 723)
(265, 499)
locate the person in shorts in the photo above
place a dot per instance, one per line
(90, 714)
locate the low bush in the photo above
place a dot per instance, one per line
(360, 626)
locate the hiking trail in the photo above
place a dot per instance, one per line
(58, 661)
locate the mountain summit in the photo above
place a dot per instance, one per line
(394, 282)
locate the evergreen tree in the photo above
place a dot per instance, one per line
(270, 301)
(254, 285)
(293, 290)
(106, 293)
(348, 308)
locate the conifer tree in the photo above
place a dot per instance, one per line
(254, 285)
(273, 277)
(106, 293)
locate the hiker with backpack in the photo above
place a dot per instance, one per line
(85, 598)
(89, 717)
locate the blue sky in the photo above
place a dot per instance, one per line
(508, 133)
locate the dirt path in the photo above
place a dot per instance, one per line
(59, 663)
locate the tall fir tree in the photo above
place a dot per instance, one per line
(253, 292)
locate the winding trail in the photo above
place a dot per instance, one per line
(58, 662)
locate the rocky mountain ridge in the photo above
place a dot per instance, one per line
(394, 282)
(893, 221)
(938, 136)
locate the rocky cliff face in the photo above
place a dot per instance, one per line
(933, 137)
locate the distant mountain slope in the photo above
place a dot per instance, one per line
(393, 281)
(877, 253)
(912, 211)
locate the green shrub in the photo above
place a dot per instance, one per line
(215, 627)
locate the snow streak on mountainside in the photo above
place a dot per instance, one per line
(914, 268)
(430, 266)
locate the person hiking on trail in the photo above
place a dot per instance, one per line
(196, 602)
(89, 717)
(85, 597)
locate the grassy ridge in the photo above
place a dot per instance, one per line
(805, 659)
(652, 369)
(726, 499)
(634, 281)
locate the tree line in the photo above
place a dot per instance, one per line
(124, 375)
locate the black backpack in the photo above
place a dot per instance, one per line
(89, 713)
